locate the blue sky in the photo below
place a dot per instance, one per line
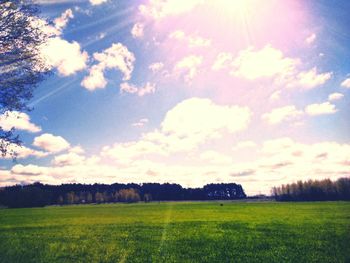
(189, 92)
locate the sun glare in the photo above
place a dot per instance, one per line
(234, 7)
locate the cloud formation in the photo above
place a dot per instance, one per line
(320, 109)
(188, 67)
(346, 83)
(115, 57)
(51, 143)
(62, 21)
(21, 152)
(66, 56)
(311, 38)
(30, 170)
(141, 122)
(186, 126)
(148, 88)
(68, 159)
(270, 63)
(279, 115)
(335, 96)
(267, 62)
(137, 30)
(202, 117)
(59, 53)
(276, 161)
(97, 2)
(17, 120)
(156, 66)
(223, 61)
(191, 41)
(310, 79)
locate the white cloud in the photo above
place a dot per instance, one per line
(158, 9)
(70, 158)
(287, 150)
(346, 83)
(277, 145)
(62, 21)
(141, 122)
(178, 34)
(279, 115)
(222, 61)
(102, 35)
(51, 143)
(119, 57)
(95, 80)
(335, 96)
(202, 117)
(188, 66)
(17, 120)
(311, 38)
(320, 109)
(271, 63)
(196, 41)
(148, 88)
(244, 145)
(192, 41)
(137, 30)
(264, 63)
(59, 53)
(310, 79)
(129, 152)
(55, 29)
(76, 149)
(275, 95)
(155, 67)
(213, 157)
(279, 161)
(128, 88)
(115, 57)
(97, 2)
(21, 152)
(66, 56)
(30, 170)
(191, 123)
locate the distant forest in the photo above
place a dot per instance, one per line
(312, 190)
(38, 195)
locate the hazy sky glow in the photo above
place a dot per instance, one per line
(190, 92)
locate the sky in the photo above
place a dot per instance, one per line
(190, 92)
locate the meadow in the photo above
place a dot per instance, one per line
(178, 232)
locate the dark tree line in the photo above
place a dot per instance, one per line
(313, 190)
(37, 195)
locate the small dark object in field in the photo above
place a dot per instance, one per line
(221, 204)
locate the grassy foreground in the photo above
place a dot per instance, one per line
(178, 232)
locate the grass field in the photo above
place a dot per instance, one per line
(178, 232)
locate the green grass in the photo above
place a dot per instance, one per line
(178, 232)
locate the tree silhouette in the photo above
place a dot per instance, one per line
(314, 190)
(21, 66)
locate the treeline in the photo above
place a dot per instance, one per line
(314, 190)
(38, 195)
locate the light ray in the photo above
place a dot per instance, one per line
(53, 92)
(106, 19)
